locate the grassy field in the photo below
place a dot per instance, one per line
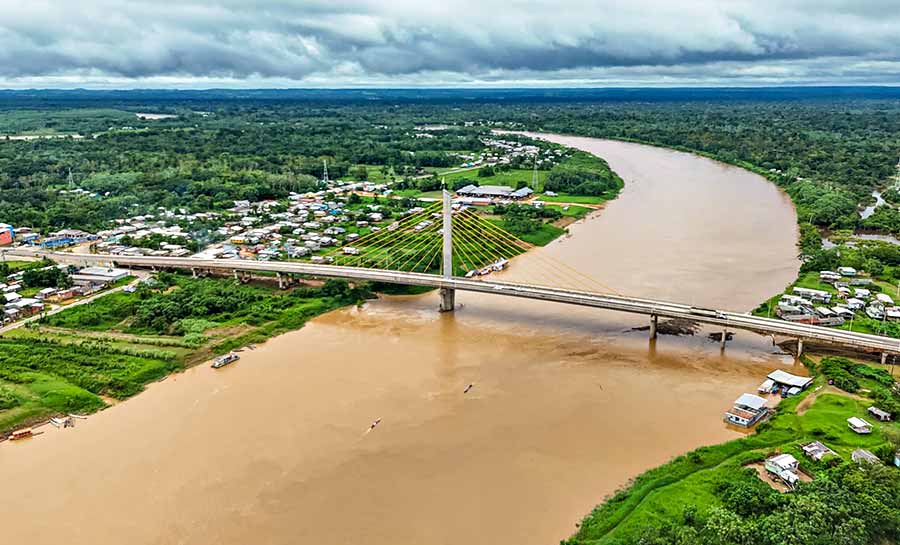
(115, 345)
(579, 199)
(509, 177)
(690, 482)
(16, 266)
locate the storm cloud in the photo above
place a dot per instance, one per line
(126, 43)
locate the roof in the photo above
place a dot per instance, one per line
(487, 190)
(522, 192)
(857, 422)
(751, 401)
(782, 377)
(783, 461)
(878, 412)
(864, 456)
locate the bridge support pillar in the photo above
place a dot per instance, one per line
(654, 319)
(280, 281)
(799, 347)
(724, 339)
(236, 277)
(448, 295)
(884, 358)
(448, 299)
(194, 272)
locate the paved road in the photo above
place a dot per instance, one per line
(666, 309)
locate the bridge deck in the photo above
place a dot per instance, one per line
(665, 309)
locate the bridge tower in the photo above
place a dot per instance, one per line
(448, 295)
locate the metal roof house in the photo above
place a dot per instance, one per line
(817, 450)
(859, 425)
(881, 415)
(863, 455)
(748, 409)
(783, 466)
(783, 378)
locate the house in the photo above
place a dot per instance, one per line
(786, 381)
(884, 299)
(11, 297)
(7, 234)
(748, 409)
(45, 293)
(846, 271)
(863, 455)
(783, 466)
(883, 416)
(859, 425)
(819, 296)
(98, 275)
(817, 451)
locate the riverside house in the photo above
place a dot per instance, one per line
(747, 410)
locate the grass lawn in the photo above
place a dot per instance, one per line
(579, 199)
(543, 236)
(509, 178)
(572, 211)
(16, 266)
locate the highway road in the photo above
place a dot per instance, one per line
(649, 307)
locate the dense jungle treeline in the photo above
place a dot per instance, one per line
(829, 148)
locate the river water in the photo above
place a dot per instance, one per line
(567, 404)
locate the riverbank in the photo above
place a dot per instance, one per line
(696, 492)
(76, 359)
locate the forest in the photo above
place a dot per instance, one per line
(829, 150)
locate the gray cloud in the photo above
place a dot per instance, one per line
(414, 42)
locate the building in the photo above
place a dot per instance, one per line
(7, 234)
(98, 275)
(747, 410)
(859, 425)
(846, 271)
(863, 455)
(495, 192)
(789, 384)
(784, 466)
(817, 451)
(877, 413)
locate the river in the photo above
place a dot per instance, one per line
(567, 404)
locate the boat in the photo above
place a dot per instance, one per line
(21, 434)
(222, 361)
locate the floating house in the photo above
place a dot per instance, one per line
(748, 409)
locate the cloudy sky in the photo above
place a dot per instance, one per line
(349, 43)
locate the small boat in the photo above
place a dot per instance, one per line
(57, 422)
(21, 434)
(222, 361)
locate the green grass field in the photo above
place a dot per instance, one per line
(510, 177)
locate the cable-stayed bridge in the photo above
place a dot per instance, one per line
(455, 249)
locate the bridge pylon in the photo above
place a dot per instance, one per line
(448, 295)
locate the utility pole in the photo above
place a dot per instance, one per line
(448, 295)
(325, 170)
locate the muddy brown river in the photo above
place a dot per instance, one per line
(567, 404)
